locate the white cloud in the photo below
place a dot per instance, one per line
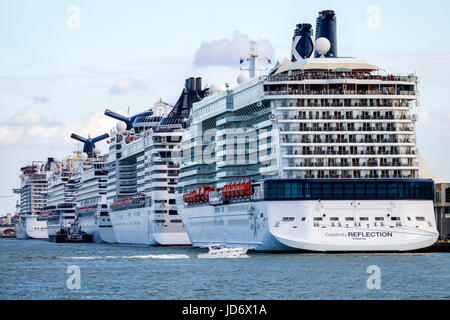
(34, 130)
(126, 85)
(10, 135)
(435, 122)
(27, 117)
(227, 52)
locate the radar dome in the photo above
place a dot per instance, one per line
(215, 88)
(322, 46)
(97, 152)
(120, 126)
(84, 156)
(243, 77)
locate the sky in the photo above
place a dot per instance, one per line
(62, 63)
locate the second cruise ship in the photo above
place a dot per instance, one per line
(143, 171)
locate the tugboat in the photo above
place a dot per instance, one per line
(74, 234)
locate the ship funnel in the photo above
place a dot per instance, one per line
(326, 28)
(127, 120)
(191, 94)
(302, 42)
(89, 143)
(198, 83)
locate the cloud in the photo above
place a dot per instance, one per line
(126, 85)
(29, 128)
(28, 116)
(225, 52)
(37, 99)
(437, 122)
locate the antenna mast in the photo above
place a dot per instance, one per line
(252, 59)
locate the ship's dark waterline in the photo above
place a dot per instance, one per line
(36, 269)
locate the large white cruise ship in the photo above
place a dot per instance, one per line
(317, 155)
(33, 200)
(143, 172)
(60, 209)
(91, 179)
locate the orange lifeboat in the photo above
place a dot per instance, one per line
(206, 193)
(234, 190)
(246, 189)
(241, 189)
(225, 191)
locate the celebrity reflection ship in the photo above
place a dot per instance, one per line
(318, 155)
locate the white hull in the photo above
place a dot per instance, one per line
(88, 224)
(107, 234)
(136, 226)
(36, 229)
(278, 225)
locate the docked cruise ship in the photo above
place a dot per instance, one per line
(91, 179)
(144, 171)
(60, 210)
(317, 155)
(33, 200)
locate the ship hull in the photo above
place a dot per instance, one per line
(132, 226)
(35, 228)
(107, 234)
(137, 226)
(306, 225)
(89, 226)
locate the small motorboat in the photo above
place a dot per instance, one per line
(220, 251)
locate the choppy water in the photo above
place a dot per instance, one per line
(35, 269)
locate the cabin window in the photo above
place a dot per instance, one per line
(420, 218)
(288, 218)
(379, 218)
(334, 219)
(395, 218)
(349, 219)
(317, 219)
(364, 218)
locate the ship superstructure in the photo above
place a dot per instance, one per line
(317, 155)
(144, 172)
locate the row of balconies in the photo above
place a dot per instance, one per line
(344, 128)
(347, 152)
(340, 92)
(354, 174)
(328, 76)
(306, 140)
(344, 117)
(369, 163)
(280, 104)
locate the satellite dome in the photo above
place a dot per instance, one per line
(243, 77)
(120, 126)
(84, 156)
(322, 46)
(215, 88)
(97, 152)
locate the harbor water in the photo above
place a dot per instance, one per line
(38, 269)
